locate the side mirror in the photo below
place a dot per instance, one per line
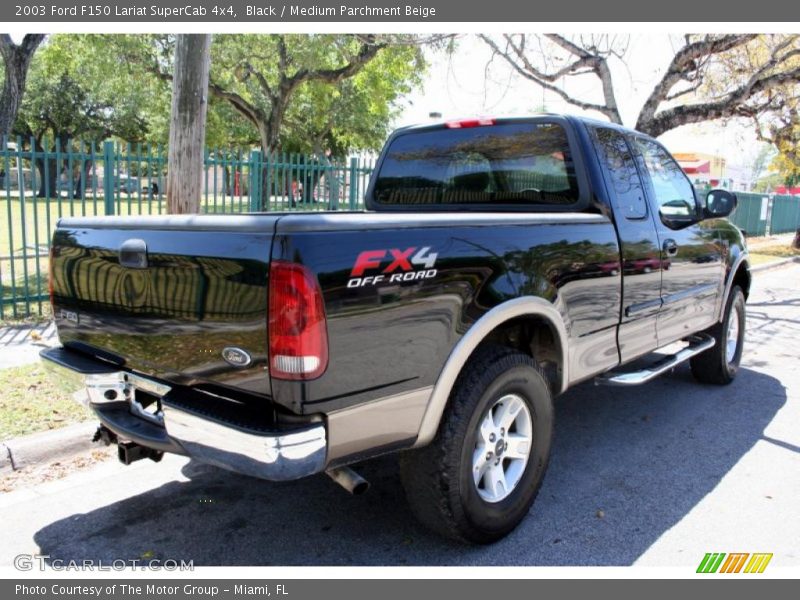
(678, 213)
(719, 203)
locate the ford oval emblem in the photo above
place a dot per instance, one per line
(236, 357)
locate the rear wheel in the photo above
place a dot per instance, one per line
(477, 480)
(718, 365)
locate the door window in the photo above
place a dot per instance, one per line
(672, 191)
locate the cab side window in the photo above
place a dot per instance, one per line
(672, 191)
(614, 152)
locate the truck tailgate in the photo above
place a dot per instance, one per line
(180, 298)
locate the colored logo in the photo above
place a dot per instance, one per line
(393, 265)
(236, 357)
(735, 562)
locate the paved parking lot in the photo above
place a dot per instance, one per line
(656, 476)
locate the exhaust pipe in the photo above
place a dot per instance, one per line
(349, 480)
(129, 452)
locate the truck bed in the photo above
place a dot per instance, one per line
(205, 286)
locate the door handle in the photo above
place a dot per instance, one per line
(670, 247)
(133, 254)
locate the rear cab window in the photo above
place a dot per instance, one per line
(522, 165)
(614, 152)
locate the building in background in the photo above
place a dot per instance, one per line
(709, 170)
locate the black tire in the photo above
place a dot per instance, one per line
(714, 366)
(438, 478)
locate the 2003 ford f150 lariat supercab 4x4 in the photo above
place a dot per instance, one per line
(499, 263)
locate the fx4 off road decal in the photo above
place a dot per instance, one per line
(392, 266)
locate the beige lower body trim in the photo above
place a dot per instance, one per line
(519, 307)
(377, 423)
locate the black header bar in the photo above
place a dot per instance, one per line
(400, 11)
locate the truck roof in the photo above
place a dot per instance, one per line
(439, 123)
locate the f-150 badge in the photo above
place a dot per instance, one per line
(393, 266)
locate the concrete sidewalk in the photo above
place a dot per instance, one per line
(20, 344)
(782, 239)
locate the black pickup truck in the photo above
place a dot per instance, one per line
(499, 263)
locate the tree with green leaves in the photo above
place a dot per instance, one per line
(783, 132)
(79, 94)
(297, 92)
(325, 95)
(311, 94)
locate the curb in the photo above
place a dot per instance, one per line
(784, 262)
(5, 459)
(46, 447)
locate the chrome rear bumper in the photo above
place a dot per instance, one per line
(111, 394)
(276, 456)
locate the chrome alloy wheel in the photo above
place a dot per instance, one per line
(502, 448)
(732, 341)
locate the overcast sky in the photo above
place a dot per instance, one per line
(459, 85)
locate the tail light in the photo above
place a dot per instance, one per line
(466, 123)
(298, 337)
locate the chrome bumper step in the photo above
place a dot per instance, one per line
(276, 454)
(697, 344)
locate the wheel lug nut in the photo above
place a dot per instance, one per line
(491, 437)
(502, 431)
(488, 456)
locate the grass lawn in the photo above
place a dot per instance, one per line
(30, 402)
(41, 214)
(772, 253)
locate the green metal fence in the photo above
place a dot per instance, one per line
(751, 213)
(785, 216)
(763, 214)
(41, 182)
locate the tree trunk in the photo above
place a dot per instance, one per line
(51, 185)
(796, 242)
(187, 130)
(17, 59)
(269, 145)
(82, 179)
(48, 186)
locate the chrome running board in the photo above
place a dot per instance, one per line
(697, 344)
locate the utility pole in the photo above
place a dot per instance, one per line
(187, 131)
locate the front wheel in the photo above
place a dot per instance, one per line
(477, 480)
(718, 365)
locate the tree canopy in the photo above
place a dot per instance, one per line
(310, 94)
(78, 90)
(300, 93)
